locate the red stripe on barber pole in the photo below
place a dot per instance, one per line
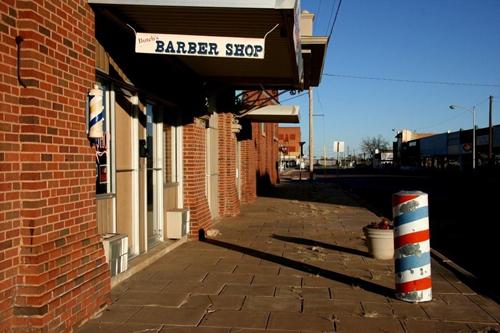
(415, 237)
(412, 286)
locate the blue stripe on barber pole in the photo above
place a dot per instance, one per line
(96, 119)
(412, 262)
(417, 214)
(408, 276)
(412, 246)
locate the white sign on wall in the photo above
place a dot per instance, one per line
(338, 146)
(200, 46)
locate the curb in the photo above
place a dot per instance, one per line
(464, 275)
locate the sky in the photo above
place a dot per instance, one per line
(425, 40)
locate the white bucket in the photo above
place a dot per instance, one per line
(380, 243)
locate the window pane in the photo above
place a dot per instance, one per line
(102, 148)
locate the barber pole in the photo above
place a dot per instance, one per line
(96, 113)
(412, 246)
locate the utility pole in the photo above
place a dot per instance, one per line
(474, 138)
(324, 159)
(311, 143)
(490, 135)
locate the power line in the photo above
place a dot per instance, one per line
(318, 10)
(331, 16)
(447, 83)
(335, 19)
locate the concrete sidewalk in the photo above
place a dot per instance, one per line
(288, 265)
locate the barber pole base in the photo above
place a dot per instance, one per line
(412, 246)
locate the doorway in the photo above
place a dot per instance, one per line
(152, 175)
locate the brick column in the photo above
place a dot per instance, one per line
(248, 171)
(194, 176)
(229, 204)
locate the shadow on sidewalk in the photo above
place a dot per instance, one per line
(305, 190)
(335, 276)
(311, 242)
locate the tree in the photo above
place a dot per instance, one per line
(370, 144)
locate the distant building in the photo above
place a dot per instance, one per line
(383, 159)
(403, 136)
(448, 150)
(289, 142)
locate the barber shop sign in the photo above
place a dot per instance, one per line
(201, 46)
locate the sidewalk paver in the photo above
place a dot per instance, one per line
(288, 265)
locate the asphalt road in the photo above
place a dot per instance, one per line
(463, 212)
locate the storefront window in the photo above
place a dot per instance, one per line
(103, 149)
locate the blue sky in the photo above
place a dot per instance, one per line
(425, 40)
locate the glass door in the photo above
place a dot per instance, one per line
(153, 178)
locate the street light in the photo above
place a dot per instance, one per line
(473, 110)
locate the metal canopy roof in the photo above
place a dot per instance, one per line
(280, 69)
(275, 114)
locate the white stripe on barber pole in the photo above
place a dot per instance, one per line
(408, 228)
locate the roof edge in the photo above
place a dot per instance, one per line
(262, 4)
(314, 40)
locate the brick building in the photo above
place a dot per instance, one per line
(96, 138)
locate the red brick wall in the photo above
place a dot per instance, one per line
(9, 163)
(194, 176)
(229, 204)
(62, 275)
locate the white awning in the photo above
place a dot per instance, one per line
(275, 114)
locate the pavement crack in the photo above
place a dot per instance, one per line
(268, 319)
(335, 329)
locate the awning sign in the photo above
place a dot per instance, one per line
(200, 46)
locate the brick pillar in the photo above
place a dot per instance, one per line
(248, 171)
(229, 204)
(194, 176)
(62, 277)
